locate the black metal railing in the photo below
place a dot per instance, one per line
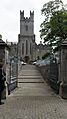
(13, 81)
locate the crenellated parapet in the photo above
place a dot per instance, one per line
(31, 18)
(31, 15)
(21, 14)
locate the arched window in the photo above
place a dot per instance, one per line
(26, 27)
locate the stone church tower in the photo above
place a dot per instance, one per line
(26, 38)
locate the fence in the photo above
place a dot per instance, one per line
(13, 74)
(50, 74)
(53, 80)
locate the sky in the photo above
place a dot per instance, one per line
(10, 17)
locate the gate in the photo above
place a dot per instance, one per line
(13, 74)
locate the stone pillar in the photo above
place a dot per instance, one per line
(63, 70)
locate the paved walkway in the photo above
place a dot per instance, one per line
(33, 99)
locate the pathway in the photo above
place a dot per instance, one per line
(33, 99)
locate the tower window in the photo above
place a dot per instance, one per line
(26, 28)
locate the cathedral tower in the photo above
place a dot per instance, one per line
(26, 39)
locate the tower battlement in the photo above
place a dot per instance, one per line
(21, 14)
(26, 18)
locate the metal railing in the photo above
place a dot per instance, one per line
(13, 72)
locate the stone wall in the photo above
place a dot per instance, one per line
(63, 70)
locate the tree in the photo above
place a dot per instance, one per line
(54, 27)
(51, 7)
(45, 55)
(58, 24)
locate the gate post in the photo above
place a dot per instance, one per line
(63, 70)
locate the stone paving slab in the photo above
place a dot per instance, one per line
(30, 77)
(29, 72)
(29, 80)
(34, 107)
(33, 89)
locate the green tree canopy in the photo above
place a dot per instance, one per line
(58, 23)
(50, 7)
(54, 27)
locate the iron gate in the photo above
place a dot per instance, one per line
(13, 74)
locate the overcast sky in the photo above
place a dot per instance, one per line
(10, 17)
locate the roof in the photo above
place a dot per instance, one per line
(2, 43)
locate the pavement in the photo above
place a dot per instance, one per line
(33, 99)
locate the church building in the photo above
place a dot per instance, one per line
(26, 38)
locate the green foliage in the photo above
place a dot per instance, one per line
(51, 7)
(54, 27)
(45, 55)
